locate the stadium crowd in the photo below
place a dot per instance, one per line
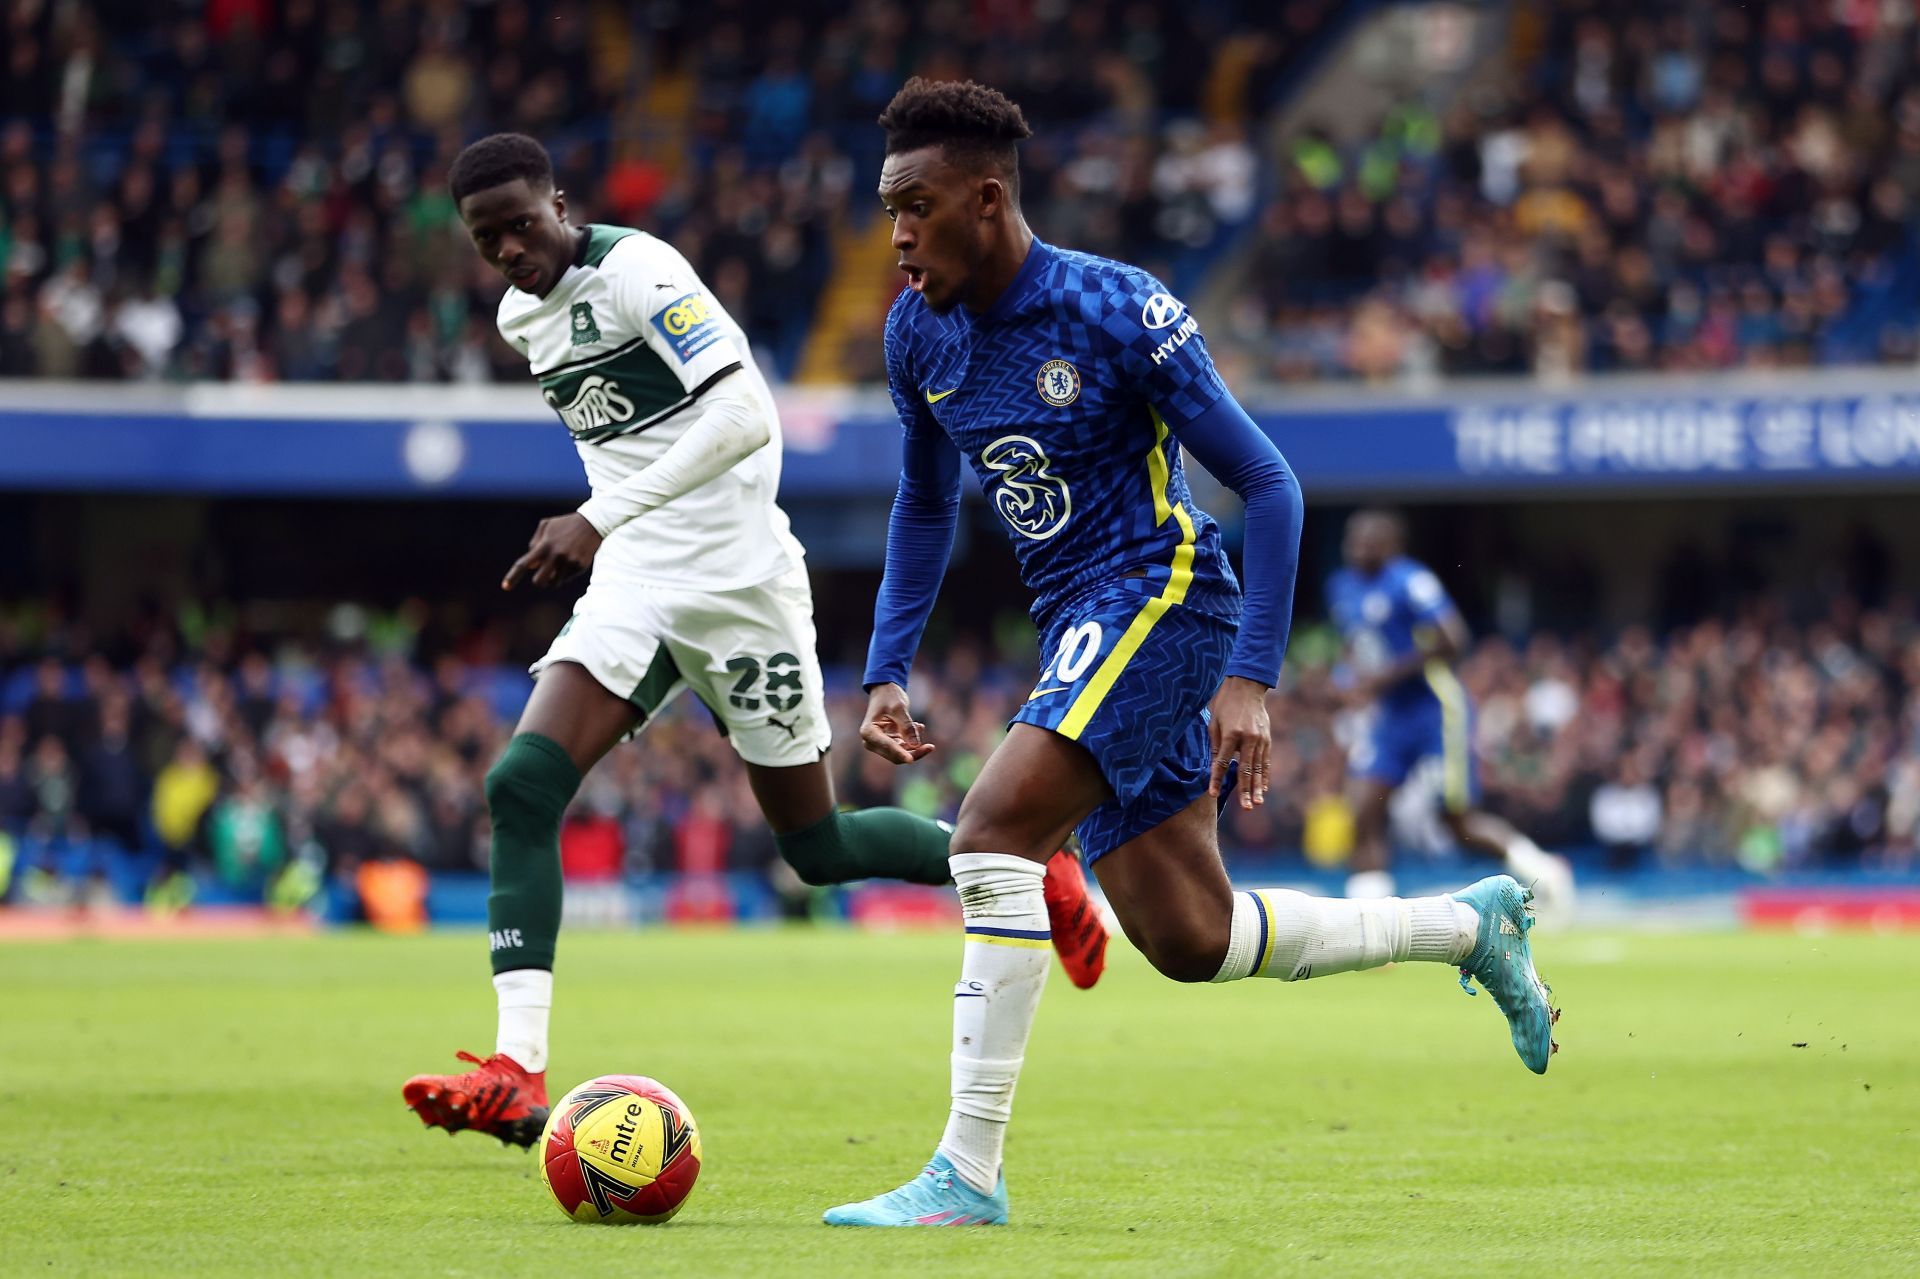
(1752, 742)
(1651, 187)
(1659, 186)
(255, 189)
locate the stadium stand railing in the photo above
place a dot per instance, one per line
(1705, 432)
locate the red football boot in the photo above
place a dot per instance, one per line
(497, 1097)
(1079, 934)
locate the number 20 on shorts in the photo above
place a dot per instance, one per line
(1078, 647)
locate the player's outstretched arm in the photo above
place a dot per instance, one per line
(1439, 635)
(1228, 443)
(731, 427)
(920, 529)
(1160, 355)
(1446, 636)
(656, 294)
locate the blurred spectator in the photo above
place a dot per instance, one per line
(112, 786)
(393, 893)
(1625, 815)
(1723, 187)
(1753, 741)
(55, 790)
(183, 791)
(1327, 837)
(51, 714)
(16, 793)
(244, 833)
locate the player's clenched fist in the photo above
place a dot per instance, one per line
(889, 730)
(1240, 730)
(562, 547)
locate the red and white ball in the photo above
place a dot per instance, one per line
(620, 1150)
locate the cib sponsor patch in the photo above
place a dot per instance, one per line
(688, 326)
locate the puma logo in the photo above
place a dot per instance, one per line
(792, 729)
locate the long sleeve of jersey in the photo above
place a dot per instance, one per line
(1238, 453)
(731, 426)
(926, 511)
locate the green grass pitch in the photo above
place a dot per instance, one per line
(1723, 1104)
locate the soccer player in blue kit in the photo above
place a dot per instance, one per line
(1402, 635)
(1070, 383)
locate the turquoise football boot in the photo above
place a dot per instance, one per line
(939, 1196)
(1502, 962)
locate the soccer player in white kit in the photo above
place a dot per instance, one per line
(696, 583)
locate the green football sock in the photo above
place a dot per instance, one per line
(873, 843)
(527, 791)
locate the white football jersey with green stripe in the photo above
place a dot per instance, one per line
(624, 346)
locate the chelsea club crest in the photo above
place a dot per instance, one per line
(1059, 383)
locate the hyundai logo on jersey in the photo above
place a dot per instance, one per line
(1161, 310)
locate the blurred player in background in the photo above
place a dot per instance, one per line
(1402, 634)
(1071, 383)
(696, 583)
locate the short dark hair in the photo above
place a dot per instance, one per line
(969, 122)
(497, 159)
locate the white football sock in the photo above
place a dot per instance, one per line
(1281, 933)
(1002, 972)
(1370, 883)
(1526, 861)
(526, 1001)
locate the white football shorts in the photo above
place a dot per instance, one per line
(747, 654)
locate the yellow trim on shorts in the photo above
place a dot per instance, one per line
(1454, 747)
(1159, 476)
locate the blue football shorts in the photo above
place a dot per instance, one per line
(1396, 737)
(1129, 675)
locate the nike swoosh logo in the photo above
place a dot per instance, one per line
(935, 399)
(1042, 692)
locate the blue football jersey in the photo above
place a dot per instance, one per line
(1380, 616)
(1060, 396)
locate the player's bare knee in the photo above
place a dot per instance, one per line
(1185, 951)
(983, 831)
